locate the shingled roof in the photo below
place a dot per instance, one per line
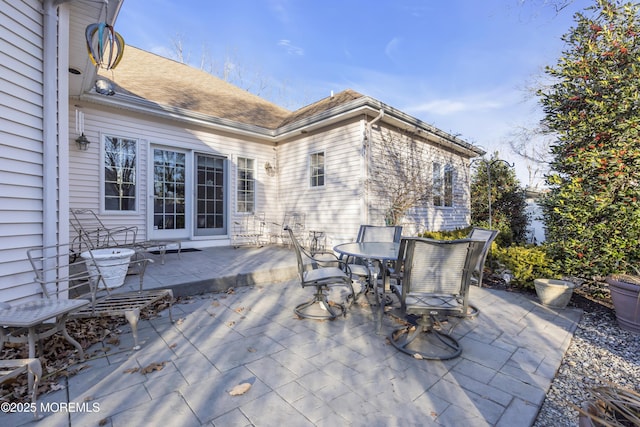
(159, 80)
(164, 81)
(322, 105)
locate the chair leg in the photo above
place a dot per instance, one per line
(472, 311)
(422, 341)
(35, 368)
(323, 311)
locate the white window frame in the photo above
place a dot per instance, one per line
(312, 175)
(240, 191)
(103, 178)
(443, 184)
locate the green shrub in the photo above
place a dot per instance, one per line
(459, 233)
(526, 263)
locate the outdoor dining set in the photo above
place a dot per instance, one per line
(429, 278)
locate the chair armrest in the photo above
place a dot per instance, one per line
(141, 265)
(333, 262)
(128, 232)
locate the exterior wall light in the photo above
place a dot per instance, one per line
(270, 169)
(83, 142)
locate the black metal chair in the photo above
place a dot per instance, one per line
(323, 274)
(434, 286)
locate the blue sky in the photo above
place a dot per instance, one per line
(464, 66)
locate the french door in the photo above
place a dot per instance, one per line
(188, 194)
(169, 217)
(211, 195)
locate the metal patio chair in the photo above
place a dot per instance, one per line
(372, 233)
(295, 221)
(91, 233)
(12, 368)
(488, 236)
(62, 277)
(323, 274)
(434, 287)
(248, 229)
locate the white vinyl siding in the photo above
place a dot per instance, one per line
(85, 182)
(338, 209)
(21, 148)
(433, 214)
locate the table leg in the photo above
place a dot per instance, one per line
(386, 287)
(377, 315)
(62, 326)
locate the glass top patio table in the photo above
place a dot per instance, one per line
(373, 251)
(380, 251)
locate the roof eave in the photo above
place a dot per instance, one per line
(391, 115)
(339, 113)
(139, 105)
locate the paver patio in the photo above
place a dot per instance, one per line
(306, 372)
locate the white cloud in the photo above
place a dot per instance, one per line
(290, 48)
(453, 106)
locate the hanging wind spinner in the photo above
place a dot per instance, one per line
(106, 51)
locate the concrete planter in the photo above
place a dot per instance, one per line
(554, 293)
(112, 263)
(625, 294)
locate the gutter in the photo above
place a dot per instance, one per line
(49, 126)
(366, 144)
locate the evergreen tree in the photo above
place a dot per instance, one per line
(592, 212)
(508, 202)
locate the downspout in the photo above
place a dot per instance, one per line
(366, 147)
(49, 126)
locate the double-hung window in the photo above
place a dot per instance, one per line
(246, 185)
(316, 169)
(442, 185)
(120, 172)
